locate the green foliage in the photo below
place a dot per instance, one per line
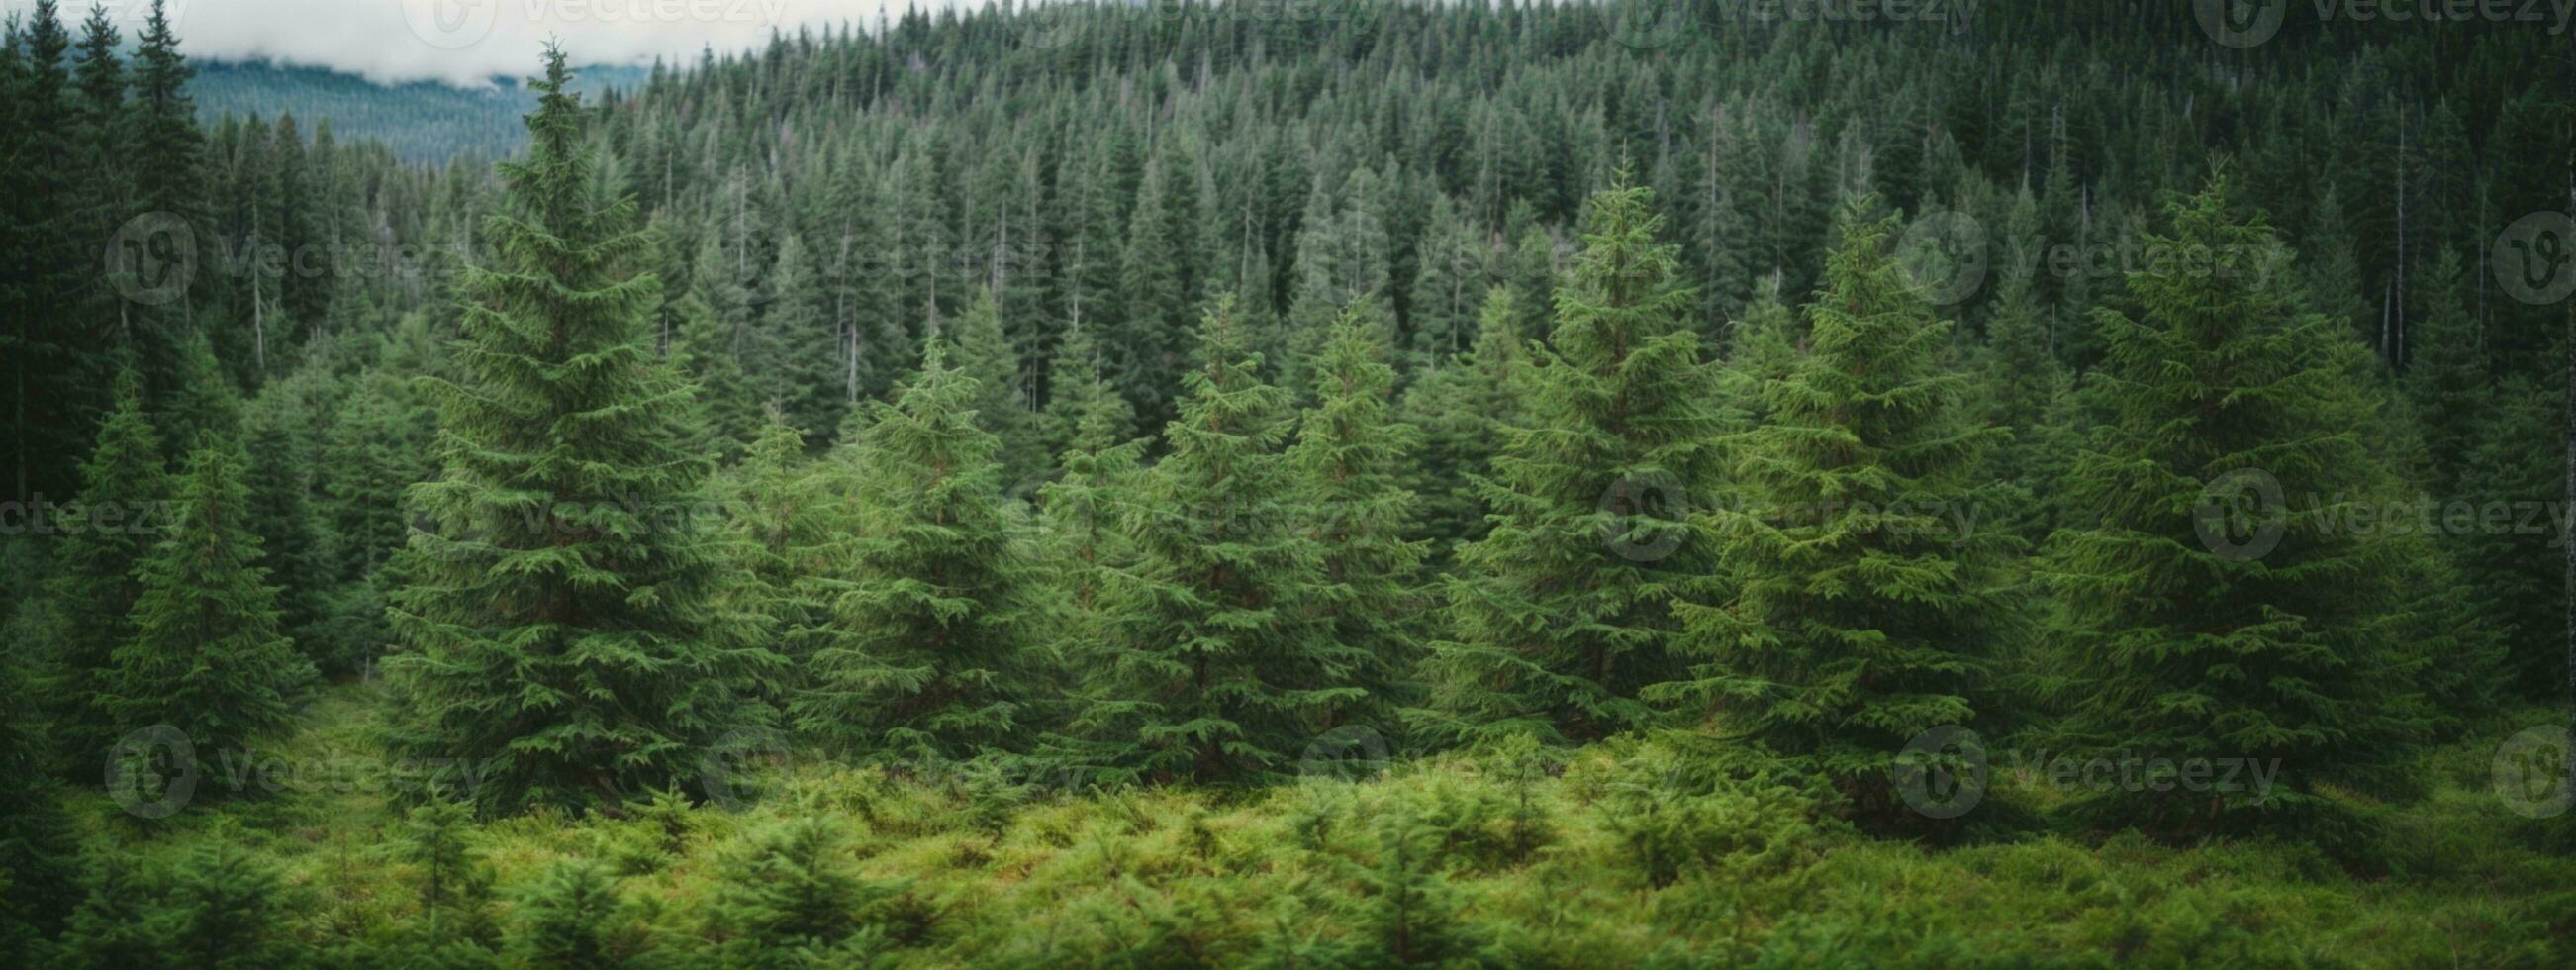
(1348, 466)
(93, 583)
(923, 650)
(1561, 614)
(792, 897)
(1218, 670)
(561, 620)
(574, 918)
(208, 656)
(1462, 410)
(1862, 578)
(2189, 640)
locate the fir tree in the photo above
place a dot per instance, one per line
(1216, 671)
(572, 918)
(983, 352)
(2446, 381)
(94, 584)
(1861, 585)
(791, 897)
(1560, 614)
(923, 652)
(1348, 467)
(779, 531)
(207, 654)
(561, 626)
(1462, 410)
(2192, 639)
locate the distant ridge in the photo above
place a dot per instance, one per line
(421, 121)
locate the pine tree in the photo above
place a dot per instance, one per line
(779, 535)
(1348, 467)
(791, 897)
(280, 487)
(2192, 639)
(94, 584)
(2446, 379)
(208, 655)
(2516, 573)
(455, 886)
(560, 627)
(1083, 544)
(1216, 671)
(1862, 588)
(981, 351)
(924, 652)
(726, 396)
(1462, 410)
(572, 918)
(1560, 614)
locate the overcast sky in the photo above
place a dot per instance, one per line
(466, 42)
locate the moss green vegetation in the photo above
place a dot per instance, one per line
(1628, 853)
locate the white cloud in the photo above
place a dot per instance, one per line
(467, 42)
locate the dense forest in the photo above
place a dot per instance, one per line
(1346, 484)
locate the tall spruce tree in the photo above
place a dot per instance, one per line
(1862, 583)
(924, 650)
(2222, 607)
(1462, 410)
(1348, 468)
(208, 656)
(1216, 671)
(561, 627)
(94, 584)
(1561, 613)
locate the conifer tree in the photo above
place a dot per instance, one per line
(1348, 467)
(727, 397)
(791, 898)
(573, 918)
(1216, 671)
(2221, 609)
(980, 350)
(561, 625)
(1462, 410)
(94, 585)
(208, 655)
(2446, 380)
(1083, 511)
(1561, 613)
(924, 651)
(779, 534)
(280, 487)
(1861, 585)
